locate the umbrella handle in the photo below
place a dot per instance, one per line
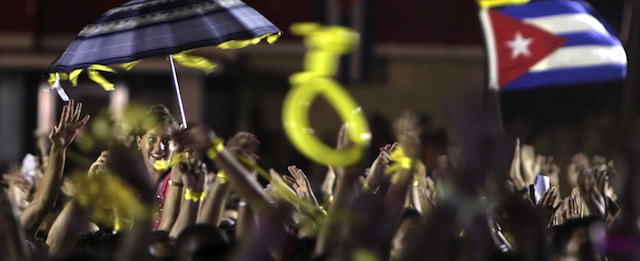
(178, 95)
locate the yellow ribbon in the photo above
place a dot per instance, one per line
(128, 66)
(164, 165)
(73, 77)
(237, 44)
(496, 3)
(223, 178)
(282, 189)
(93, 72)
(193, 61)
(194, 196)
(400, 161)
(107, 190)
(52, 78)
(214, 151)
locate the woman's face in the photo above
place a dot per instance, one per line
(155, 144)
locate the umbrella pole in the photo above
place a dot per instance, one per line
(179, 96)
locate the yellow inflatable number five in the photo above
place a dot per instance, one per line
(325, 44)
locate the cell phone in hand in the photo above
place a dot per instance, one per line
(541, 186)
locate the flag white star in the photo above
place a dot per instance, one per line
(520, 46)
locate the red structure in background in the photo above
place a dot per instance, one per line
(407, 21)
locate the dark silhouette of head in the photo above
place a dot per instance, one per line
(201, 242)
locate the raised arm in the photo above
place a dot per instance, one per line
(11, 247)
(347, 178)
(199, 138)
(243, 144)
(193, 178)
(61, 137)
(406, 129)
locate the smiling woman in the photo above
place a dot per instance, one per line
(154, 143)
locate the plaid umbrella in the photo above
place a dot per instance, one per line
(145, 28)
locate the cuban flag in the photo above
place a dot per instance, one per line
(549, 42)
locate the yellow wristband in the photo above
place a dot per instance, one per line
(216, 148)
(194, 196)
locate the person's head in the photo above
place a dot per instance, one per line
(201, 242)
(161, 246)
(578, 239)
(99, 245)
(154, 135)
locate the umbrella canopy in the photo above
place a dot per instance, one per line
(145, 28)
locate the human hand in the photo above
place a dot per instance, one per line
(547, 204)
(552, 171)
(18, 186)
(420, 179)
(515, 172)
(193, 173)
(427, 199)
(327, 184)
(376, 176)
(274, 190)
(300, 183)
(591, 195)
(407, 130)
(531, 164)
(572, 208)
(609, 190)
(343, 140)
(196, 137)
(62, 135)
(244, 144)
(100, 165)
(579, 162)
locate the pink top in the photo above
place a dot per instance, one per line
(161, 195)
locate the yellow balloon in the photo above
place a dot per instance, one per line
(295, 118)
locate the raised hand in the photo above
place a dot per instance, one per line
(277, 189)
(531, 164)
(298, 180)
(194, 173)
(244, 144)
(376, 175)
(407, 130)
(579, 162)
(516, 172)
(327, 184)
(100, 165)
(18, 186)
(572, 208)
(62, 135)
(343, 140)
(591, 195)
(552, 171)
(547, 204)
(195, 137)
(426, 200)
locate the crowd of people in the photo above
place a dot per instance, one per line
(172, 193)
